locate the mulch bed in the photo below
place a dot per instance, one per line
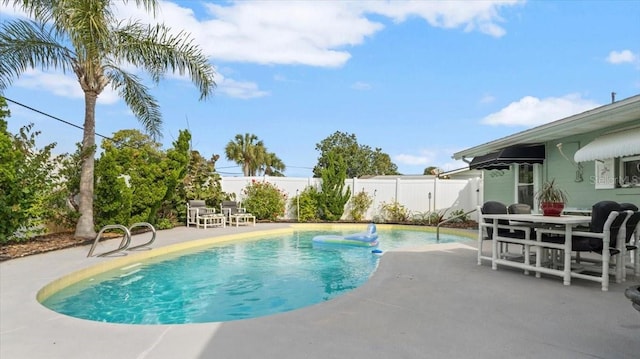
(41, 244)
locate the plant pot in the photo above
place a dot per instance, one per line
(553, 209)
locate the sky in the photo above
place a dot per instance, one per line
(420, 80)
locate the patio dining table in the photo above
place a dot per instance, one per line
(526, 220)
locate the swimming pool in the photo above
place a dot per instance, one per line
(230, 281)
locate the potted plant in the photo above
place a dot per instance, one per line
(551, 198)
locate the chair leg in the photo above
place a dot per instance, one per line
(619, 266)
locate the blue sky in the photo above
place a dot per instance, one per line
(418, 79)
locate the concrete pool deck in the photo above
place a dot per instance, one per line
(435, 302)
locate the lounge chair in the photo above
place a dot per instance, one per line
(199, 214)
(235, 214)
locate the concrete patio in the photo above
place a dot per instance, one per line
(435, 302)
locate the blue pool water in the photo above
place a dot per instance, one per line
(227, 282)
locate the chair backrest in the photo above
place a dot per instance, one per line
(191, 204)
(599, 214)
(628, 207)
(196, 203)
(519, 208)
(633, 225)
(229, 207)
(494, 207)
(614, 229)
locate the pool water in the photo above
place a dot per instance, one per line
(237, 280)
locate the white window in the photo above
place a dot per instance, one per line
(630, 171)
(524, 184)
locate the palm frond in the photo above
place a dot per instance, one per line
(157, 50)
(26, 44)
(137, 96)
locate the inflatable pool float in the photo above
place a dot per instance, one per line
(362, 239)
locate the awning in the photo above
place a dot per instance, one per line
(502, 160)
(617, 144)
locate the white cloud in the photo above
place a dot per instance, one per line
(621, 57)
(239, 89)
(411, 160)
(532, 111)
(424, 157)
(11, 11)
(62, 85)
(416, 163)
(479, 16)
(313, 33)
(361, 86)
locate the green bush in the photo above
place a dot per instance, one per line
(436, 217)
(359, 205)
(27, 182)
(422, 218)
(333, 196)
(394, 212)
(463, 218)
(308, 201)
(264, 200)
(164, 223)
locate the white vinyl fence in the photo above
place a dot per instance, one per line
(418, 195)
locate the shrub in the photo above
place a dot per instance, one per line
(164, 223)
(459, 212)
(264, 200)
(394, 212)
(438, 216)
(308, 202)
(422, 218)
(28, 179)
(333, 195)
(359, 205)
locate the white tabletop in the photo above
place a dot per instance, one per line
(539, 218)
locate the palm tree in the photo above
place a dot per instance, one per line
(273, 166)
(85, 37)
(246, 152)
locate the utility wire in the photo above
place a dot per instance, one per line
(56, 118)
(106, 137)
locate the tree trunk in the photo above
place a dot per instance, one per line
(85, 225)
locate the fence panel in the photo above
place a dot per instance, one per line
(416, 195)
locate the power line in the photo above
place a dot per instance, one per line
(106, 137)
(56, 118)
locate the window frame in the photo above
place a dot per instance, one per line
(624, 179)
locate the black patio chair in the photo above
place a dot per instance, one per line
(631, 244)
(519, 208)
(628, 207)
(607, 220)
(507, 233)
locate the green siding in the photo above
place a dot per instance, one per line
(582, 194)
(499, 185)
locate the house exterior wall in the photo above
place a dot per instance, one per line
(499, 185)
(579, 184)
(583, 194)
